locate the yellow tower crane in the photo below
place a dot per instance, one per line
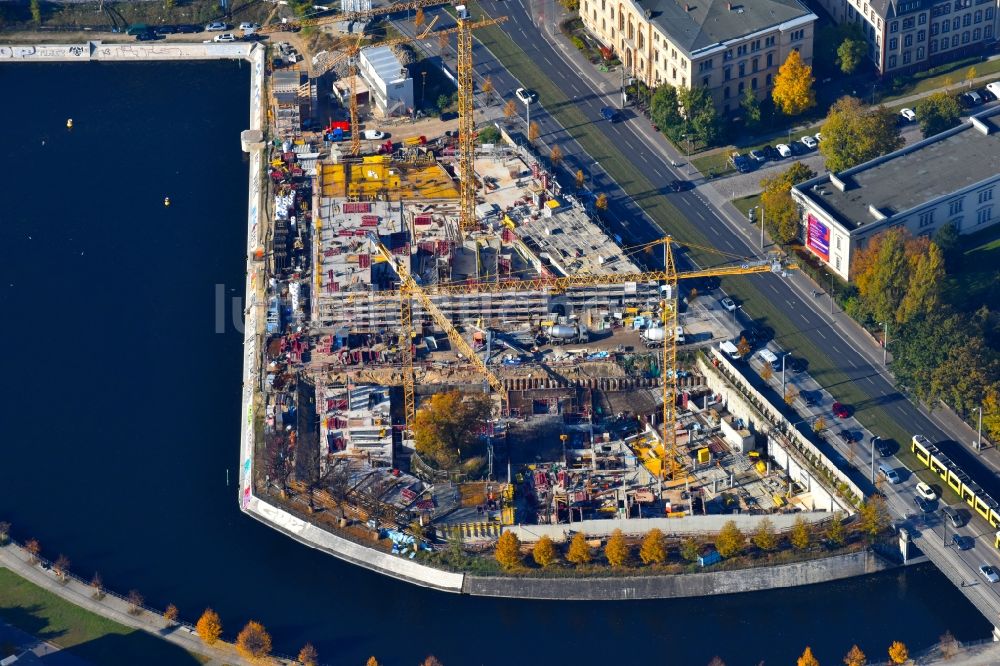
(408, 287)
(286, 25)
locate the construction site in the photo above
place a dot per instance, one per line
(447, 264)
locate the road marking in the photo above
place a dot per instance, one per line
(821, 334)
(773, 288)
(834, 348)
(698, 213)
(643, 158)
(521, 2)
(804, 318)
(715, 230)
(546, 59)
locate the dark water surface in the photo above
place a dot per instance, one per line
(120, 411)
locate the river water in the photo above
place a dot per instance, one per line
(121, 411)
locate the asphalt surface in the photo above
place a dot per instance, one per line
(809, 313)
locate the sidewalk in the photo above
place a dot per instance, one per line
(78, 593)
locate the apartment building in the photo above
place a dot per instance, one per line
(953, 177)
(725, 46)
(912, 35)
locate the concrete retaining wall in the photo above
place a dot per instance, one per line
(686, 526)
(686, 585)
(133, 52)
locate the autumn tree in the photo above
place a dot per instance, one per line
(799, 536)
(855, 657)
(60, 567)
(743, 347)
(938, 112)
(33, 548)
(4, 532)
(730, 539)
(923, 289)
(853, 134)
(791, 393)
(764, 536)
(793, 86)
(807, 658)
(450, 423)
(850, 54)
(508, 550)
(690, 549)
(601, 202)
(766, 372)
(488, 88)
(947, 645)
(873, 516)
(898, 277)
(781, 213)
(898, 654)
(991, 412)
(97, 586)
(431, 661)
(835, 530)
(509, 110)
(544, 553)
(309, 657)
(966, 374)
(171, 614)
(209, 626)
(418, 17)
(819, 425)
(716, 661)
(579, 550)
(653, 549)
(372, 661)
(555, 156)
(135, 602)
(970, 75)
(253, 641)
(616, 550)
(533, 131)
(664, 110)
(579, 179)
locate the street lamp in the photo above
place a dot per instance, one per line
(830, 276)
(783, 375)
(979, 440)
(885, 342)
(423, 86)
(761, 206)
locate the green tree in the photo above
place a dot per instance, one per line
(781, 213)
(664, 110)
(800, 536)
(835, 530)
(579, 550)
(544, 552)
(991, 412)
(443, 102)
(898, 654)
(702, 118)
(807, 658)
(966, 374)
(616, 550)
(36, 11)
(653, 549)
(873, 516)
(751, 106)
(730, 540)
(882, 273)
(508, 550)
(937, 113)
(449, 424)
(793, 86)
(764, 536)
(921, 346)
(690, 549)
(924, 286)
(855, 657)
(850, 54)
(853, 134)
(950, 244)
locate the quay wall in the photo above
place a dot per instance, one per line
(683, 585)
(132, 52)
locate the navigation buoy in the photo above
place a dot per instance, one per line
(69, 123)
(166, 201)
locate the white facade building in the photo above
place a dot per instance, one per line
(389, 82)
(953, 177)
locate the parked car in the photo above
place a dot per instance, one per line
(771, 153)
(986, 94)
(680, 185)
(797, 365)
(609, 114)
(216, 26)
(448, 115)
(225, 37)
(784, 150)
(372, 135)
(728, 304)
(452, 134)
(809, 142)
(989, 573)
(925, 506)
(758, 156)
(798, 148)
(742, 163)
(145, 37)
(840, 410)
(249, 28)
(165, 29)
(970, 99)
(188, 29)
(526, 95)
(962, 542)
(925, 491)
(908, 115)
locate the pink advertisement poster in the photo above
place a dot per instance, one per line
(818, 238)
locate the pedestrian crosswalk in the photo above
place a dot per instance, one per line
(474, 530)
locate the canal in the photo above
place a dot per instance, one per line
(121, 411)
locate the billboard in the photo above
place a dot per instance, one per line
(818, 238)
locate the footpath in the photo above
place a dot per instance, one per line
(608, 84)
(115, 608)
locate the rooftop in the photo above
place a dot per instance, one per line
(698, 24)
(911, 176)
(385, 63)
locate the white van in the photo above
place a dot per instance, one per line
(680, 335)
(730, 350)
(770, 358)
(994, 88)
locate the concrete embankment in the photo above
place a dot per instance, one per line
(135, 52)
(683, 585)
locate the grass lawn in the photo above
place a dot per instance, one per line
(976, 281)
(937, 77)
(91, 637)
(744, 204)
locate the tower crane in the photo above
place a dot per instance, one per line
(408, 287)
(295, 24)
